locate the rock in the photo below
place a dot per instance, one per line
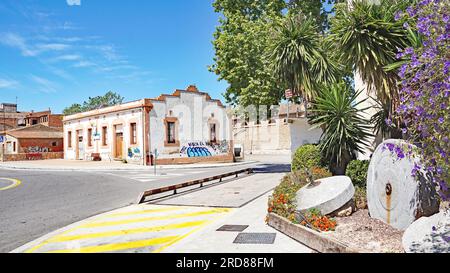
(394, 196)
(326, 195)
(346, 210)
(428, 235)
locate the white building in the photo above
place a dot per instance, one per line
(185, 127)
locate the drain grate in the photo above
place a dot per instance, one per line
(255, 238)
(234, 228)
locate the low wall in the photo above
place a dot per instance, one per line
(32, 156)
(190, 160)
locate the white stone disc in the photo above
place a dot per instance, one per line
(327, 195)
(393, 194)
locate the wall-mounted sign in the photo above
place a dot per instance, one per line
(2, 139)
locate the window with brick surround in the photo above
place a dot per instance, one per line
(104, 135)
(171, 133)
(69, 139)
(89, 136)
(133, 133)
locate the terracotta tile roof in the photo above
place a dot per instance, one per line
(36, 131)
(38, 114)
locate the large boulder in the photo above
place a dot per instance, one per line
(393, 194)
(326, 195)
(428, 235)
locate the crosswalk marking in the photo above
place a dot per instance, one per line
(146, 177)
(119, 246)
(65, 238)
(143, 228)
(154, 218)
(134, 212)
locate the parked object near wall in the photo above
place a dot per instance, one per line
(393, 194)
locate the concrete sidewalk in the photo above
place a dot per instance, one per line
(78, 165)
(151, 228)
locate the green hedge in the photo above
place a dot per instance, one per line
(307, 156)
(357, 171)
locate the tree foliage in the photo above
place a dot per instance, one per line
(345, 130)
(298, 56)
(109, 99)
(367, 38)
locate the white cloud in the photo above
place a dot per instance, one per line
(83, 64)
(73, 2)
(16, 41)
(45, 85)
(5, 83)
(72, 57)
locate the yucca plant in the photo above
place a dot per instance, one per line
(299, 58)
(367, 38)
(345, 131)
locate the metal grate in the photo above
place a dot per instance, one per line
(255, 238)
(234, 228)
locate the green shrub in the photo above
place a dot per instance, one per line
(307, 156)
(357, 171)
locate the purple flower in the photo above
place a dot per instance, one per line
(441, 120)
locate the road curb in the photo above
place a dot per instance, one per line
(308, 237)
(179, 167)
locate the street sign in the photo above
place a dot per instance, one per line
(289, 94)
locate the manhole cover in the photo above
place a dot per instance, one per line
(255, 238)
(235, 228)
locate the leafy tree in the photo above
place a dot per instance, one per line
(241, 42)
(109, 99)
(345, 130)
(73, 109)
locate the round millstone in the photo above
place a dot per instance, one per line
(326, 195)
(428, 235)
(393, 194)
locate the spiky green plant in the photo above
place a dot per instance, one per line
(299, 58)
(345, 131)
(367, 38)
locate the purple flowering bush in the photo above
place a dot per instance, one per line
(424, 90)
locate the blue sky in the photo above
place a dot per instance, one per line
(55, 52)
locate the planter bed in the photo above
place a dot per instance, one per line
(355, 234)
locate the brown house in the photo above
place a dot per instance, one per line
(33, 142)
(45, 118)
(10, 118)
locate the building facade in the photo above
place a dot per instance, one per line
(278, 135)
(32, 143)
(184, 127)
(10, 118)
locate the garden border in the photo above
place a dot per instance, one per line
(308, 237)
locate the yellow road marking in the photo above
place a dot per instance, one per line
(118, 246)
(65, 233)
(187, 234)
(59, 239)
(15, 183)
(139, 212)
(154, 218)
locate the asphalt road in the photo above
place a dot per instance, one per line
(49, 200)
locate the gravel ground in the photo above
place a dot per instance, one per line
(368, 235)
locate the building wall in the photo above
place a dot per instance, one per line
(133, 153)
(278, 137)
(193, 114)
(40, 145)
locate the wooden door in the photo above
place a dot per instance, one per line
(119, 145)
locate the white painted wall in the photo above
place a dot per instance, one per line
(194, 113)
(301, 133)
(109, 120)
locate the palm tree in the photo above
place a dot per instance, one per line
(367, 38)
(298, 56)
(345, 130)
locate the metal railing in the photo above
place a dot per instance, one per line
(200, 182)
